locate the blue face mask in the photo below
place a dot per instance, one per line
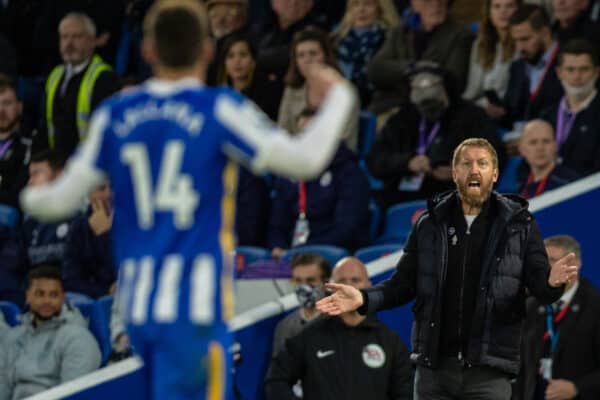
(308, 295)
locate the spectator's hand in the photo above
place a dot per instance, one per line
(495, 112)
(277, 253)
(419, 164)
(113, 289)
(319, 80)
(563, 271)
(101, 219)
(122, 343)
(345, 298)
(103, 39)
(442, 173)
(560, 389)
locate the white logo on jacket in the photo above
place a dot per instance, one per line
(373, 356)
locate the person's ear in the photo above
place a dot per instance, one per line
(149, 52)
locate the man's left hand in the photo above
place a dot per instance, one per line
(563, 271)
(442, 173)
(560, 389)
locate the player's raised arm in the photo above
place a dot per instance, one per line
(305, 155)
(64, 197)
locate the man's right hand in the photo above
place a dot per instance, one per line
(345, 298)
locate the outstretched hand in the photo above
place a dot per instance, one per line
(564, 271)
(344, 299)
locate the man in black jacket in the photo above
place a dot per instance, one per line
(468, 261)
(568, 367)
(346, 357)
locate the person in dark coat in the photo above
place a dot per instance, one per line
(470, 261)
(87, 266)
(413, 152)
(570, 368)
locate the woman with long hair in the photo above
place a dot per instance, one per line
(358, 37)
(309, 46)
(237, 68)
(491, 56)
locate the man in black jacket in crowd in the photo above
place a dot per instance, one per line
(346, 357)
(469, 262)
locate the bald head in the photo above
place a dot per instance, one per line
(351, 271)
(537, 144)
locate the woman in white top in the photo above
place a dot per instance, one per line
(491, 56)
(309, 46)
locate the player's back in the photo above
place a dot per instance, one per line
(174, 189)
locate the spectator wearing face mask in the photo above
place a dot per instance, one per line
(309, 274)
(575, 116)
(413, 152)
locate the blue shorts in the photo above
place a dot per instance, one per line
(183, 361)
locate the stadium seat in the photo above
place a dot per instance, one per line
(371, 253)
(331, 253)
(398, 221)
(97, 314)
(11, 312)
(245, 255)
(507, 182)
(374, 220)
(366, 133)
(9, 216)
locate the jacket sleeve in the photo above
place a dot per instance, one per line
(281, 220)
(588, 386)
(106, 85)
(474, 91)
(80, 354)
(401, 377)
(536, 268)
(400, 288)
(285, 370)
(387, 68)
(6, 383)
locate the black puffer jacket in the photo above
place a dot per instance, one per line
(514, 261)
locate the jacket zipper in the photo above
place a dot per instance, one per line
(463, 269)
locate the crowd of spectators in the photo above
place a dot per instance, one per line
(524, 77)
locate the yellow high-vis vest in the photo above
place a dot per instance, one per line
(84, 97)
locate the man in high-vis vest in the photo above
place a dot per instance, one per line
(75, 88)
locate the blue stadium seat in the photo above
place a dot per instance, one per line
(507, 182)
(11, 312)
(371, 253)
(97, 314)
(366, 133)
(9, 216)
(331, 253)
(398, 223)
(245, 255)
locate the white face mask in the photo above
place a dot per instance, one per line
(579, 92)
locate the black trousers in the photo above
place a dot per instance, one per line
(453, 381)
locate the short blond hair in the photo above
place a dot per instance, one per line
(388, 16)
(475, 142)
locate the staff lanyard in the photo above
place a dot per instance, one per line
(426, 139)
(550, 333)
(538, 190)
(5, 147)
(302, 199)
(564, 122)
(533, 95)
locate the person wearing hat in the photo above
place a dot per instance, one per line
(412, 154)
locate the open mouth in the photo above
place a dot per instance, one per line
(474, 184)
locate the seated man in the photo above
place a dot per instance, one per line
(538, 148)
(310, 272)
(413, 152)
(332, 209)
(561, 359)
(572, 21)
(88, 267)
(575, 116)
(43, 243)
(51, 346)
(346, 357)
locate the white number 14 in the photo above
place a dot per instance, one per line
(174, 190)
